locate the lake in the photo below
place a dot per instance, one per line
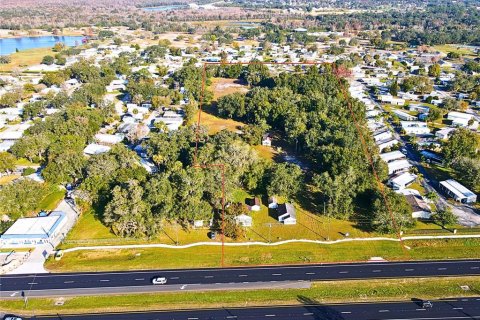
(166, 8)
(9, 45)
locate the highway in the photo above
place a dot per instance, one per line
(466, 308)
(224, 278)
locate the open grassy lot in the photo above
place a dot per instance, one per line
(26, 58)
(7, 179)
(209, 256)
(25, 163)
(446, 48)
(216, 124)
(51, 201)
(320, 292)
(222, 87)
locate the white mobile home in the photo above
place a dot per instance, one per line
(404, 116)
(457, 191)
(415, 127)
(398, 166)
(402, 180)
(392, 156)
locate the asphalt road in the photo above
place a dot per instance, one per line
(54, 284)
(468, 308)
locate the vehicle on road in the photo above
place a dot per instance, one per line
(159, 280)
(11, 317)
(427, 304)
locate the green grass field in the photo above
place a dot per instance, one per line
(446, 48)
(320, 292)
(51, 201)
(26, 58)
(294, 253)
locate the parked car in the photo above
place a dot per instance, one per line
(11, 317)
(427, 304)
(159, 280)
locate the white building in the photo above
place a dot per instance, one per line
(33, 231)
(382, 135)
(420, 209)
(404, 116)
(415, 127)
(457, 191)
(392, 156)
(384, 144)
(94, 148)
(459, 119)
(109, 139)
(286, 213)
(398, 166)
(244, 220)
(402, 180)
(444, 133)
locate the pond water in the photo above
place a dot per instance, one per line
(10, 45)
(166, 8)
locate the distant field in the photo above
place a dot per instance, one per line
(295, 253)
(320, 292)
(26, 58)
(446, 48)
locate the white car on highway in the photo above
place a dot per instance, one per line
(159, 280)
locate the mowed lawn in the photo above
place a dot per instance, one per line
(51, 201)
(294, 253)
(26, 58)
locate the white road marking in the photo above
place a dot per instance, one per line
(206, 277)
(275, 268)
(276, 274)
(243, 275)
(457, 308)
(232, 317)
(442, 269)
(174, 278)
(310, 273)
(409, 269)
(68, 281)
(383, 310)
(376, 270)
(269, 315)
(32, 283)
(421, 309)
(140, 279)
(343, 272)
(192, 318)
(308, 314)
(474, 268)
(104, 280)
(346, 312)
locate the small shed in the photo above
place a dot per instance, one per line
(254, 204)
(272, 202)
(266, 140)
(286, 213)
(244, 220)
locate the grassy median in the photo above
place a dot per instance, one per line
(295, 253)
(320, 292)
